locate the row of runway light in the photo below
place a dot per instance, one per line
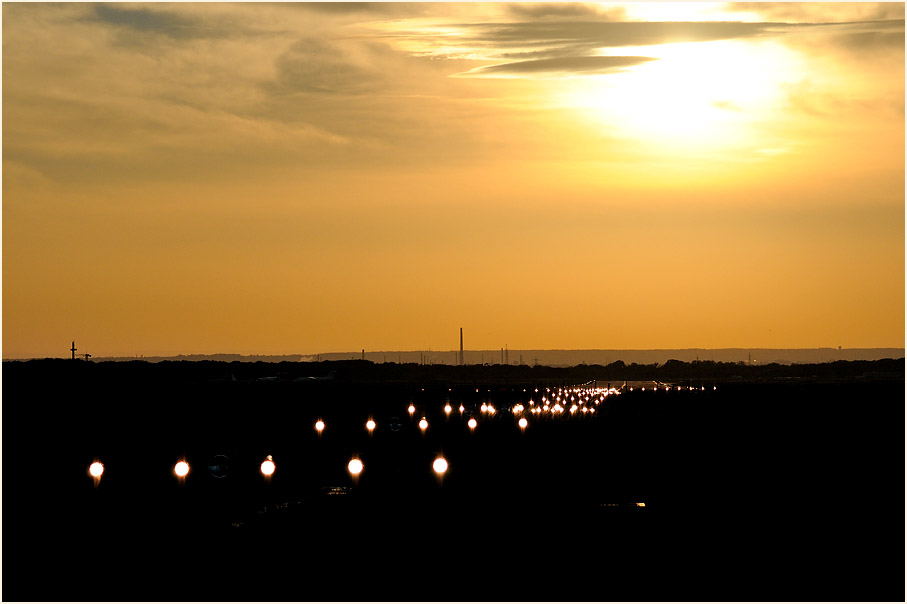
(181, 468)
(669, 388)
(553, 402)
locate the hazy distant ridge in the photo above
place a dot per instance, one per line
(555, 358)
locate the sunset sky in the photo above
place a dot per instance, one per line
(302, 178)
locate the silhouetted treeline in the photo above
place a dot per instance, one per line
(368, 372)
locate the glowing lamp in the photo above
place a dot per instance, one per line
(423, 424)
(181, 469)
(267, 466)
(447, 408)
(319, 425)
(472, 423)
(523, 423)
(96, 469)
(411, 409)
(439, 466)
(370, 425)
(355, 466)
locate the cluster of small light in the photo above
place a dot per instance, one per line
(577, 400)
(518, 408)
(489, 409)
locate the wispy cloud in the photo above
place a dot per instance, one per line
(557, 67)
(821, 12)
(565, 10)
(568, 48)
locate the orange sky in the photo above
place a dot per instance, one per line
(303, 178)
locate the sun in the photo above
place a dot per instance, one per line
(703, 96)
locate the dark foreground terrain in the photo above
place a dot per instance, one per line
(782, 488)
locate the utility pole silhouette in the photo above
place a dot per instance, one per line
(73, 349)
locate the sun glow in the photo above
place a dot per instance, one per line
(694, 97)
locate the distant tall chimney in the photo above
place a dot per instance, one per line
(73, 349)
(461, 346)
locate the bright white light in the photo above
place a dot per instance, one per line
(319, 425)
(370, 425)
(267, 466)
(472, 423)
(423, 424)
(484, 407)
(411, 409)
(440, 465)
(96, 469)
(447, 409)
(523, 423)
(462, 409)
(355, 466)
(181, 469)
